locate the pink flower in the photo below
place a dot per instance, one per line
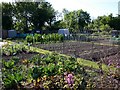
(70, 79)
(70, 76)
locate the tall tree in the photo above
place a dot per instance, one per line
(43, 13)
(101, 23)
(22, 14)
(115, 23)
(76, 20)
(7, 14)
(32, 15)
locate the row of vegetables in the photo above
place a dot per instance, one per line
(43, 71)
(14, 49)
(46, 71)
(40, 71)
(44, 38)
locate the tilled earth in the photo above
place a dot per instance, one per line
(88, 51)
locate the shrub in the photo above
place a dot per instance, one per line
(104, 33)
(45, 38)
(61, 37)
(52, 37)
(29, 39)
(37, 37)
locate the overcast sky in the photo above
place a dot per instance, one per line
(93, 7)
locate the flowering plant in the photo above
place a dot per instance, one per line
(69, 79)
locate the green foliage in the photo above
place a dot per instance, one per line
(51, 65)
(37, 37)
(105, 28)
(51, 69)
(12, 80)
(68, 65)
(9, 64)
(115, 23)
(7, 22)
(29, 38)
(12, 74)
(24, 16)
(27, 15)
(47, 70)
(15, 49)
(76, 20)
(59, 24)
(37, 72)
(45, 38)
(103, 23)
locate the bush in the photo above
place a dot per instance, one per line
(104, 33)
(52, 37)
(45, 38)
(61, 38)
(37, 37)
(29, 39)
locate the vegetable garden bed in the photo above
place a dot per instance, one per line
(88, 51)
(52, 70)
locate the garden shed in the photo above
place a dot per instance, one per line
(115, 33)
(63, 31)
(12, 33)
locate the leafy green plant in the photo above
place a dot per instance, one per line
(44, 38)
(69, 66)
(51, 69)
(11, 50)
(12, 74)
(9, 64)
(37, 73)
(61, 38)
(37, 37)
(15, 59)
(12, 80)
(29, 38)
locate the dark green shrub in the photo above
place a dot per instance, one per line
(61, 38)
(37, 38)
(12, 80)
(45, 38)
(52, 37)
(29, 39)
